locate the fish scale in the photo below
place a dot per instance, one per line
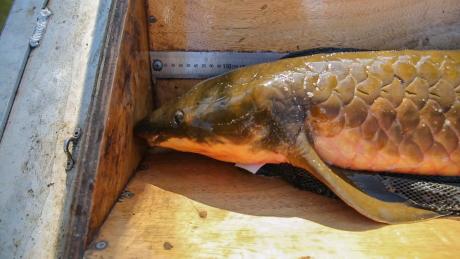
(417, 111)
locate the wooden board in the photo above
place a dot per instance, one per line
(302, 24)
(166, 90)
(188, 206)
(109, 152)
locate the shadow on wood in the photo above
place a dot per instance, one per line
(223, 186)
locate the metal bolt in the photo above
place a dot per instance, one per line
(157, 65)
(101, 245)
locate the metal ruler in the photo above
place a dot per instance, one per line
(185, 64)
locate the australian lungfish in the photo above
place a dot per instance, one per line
(335, 115)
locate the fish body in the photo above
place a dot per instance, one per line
(378, 111)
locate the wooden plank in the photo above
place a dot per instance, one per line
(188, 206)
(166, 90)
(52, 100)
(303, 24)
(109, 152)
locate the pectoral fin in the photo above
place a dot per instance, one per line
(363, 192)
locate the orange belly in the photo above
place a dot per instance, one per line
(226, 151)
(349, 150)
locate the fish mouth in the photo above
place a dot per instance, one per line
(153, 140)
(145, 130)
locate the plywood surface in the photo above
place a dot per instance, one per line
(188, 206)
(129, 100)
(109, 153)
(302, 24)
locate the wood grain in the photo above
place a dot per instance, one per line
(166, 90)
(303, 24)
(188, 206)
(109, 152)
(130, 101)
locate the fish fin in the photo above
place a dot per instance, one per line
(365, 195)
(326, 50)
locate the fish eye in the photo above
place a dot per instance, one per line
(178, 117)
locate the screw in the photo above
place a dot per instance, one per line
(157, 65)
(152, 19)
(125, 195)
(101, 245)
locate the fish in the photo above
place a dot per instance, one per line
(344, 116)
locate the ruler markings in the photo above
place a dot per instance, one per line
(184, 64)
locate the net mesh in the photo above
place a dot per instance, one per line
(297, 177)
(431, 193)
(436, 193)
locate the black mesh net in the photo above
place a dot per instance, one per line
(297, 177)
(428, 193)
(436, 193)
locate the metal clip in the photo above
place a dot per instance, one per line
(74, 139)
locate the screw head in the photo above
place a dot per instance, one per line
(101, 245)
(152, 19)
(157, 65)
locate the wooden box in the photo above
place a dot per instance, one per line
(131, 203)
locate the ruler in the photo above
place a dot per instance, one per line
(201, 64)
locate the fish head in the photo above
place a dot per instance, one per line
(216, 118)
